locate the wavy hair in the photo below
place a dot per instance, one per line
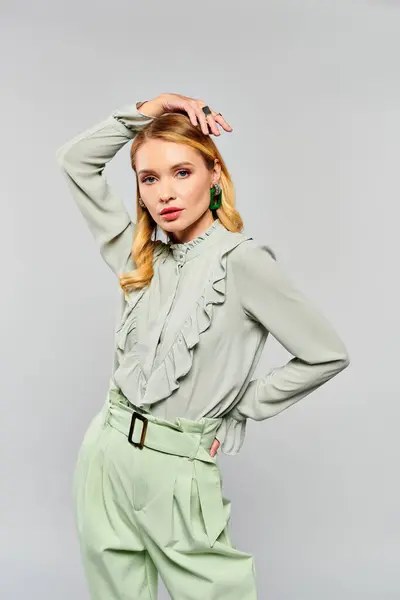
(173, 127)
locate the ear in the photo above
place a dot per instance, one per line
(216, 171)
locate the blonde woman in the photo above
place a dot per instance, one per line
(196, 311)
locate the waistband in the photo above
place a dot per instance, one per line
(181, 437)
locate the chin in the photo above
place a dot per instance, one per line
(173, 226)
(176, 225)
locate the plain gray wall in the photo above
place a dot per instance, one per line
(312, 91)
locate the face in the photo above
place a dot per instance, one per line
(175, 175)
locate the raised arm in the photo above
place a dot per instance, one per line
(269, 296)
(82, 160)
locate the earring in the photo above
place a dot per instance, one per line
(216, 190)
(142, 204)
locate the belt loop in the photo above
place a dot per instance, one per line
(193, 454)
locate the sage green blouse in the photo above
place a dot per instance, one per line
(187, 345)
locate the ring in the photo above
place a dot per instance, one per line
(206, 110)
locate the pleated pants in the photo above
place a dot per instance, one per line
(148, 501)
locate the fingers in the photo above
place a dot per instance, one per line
(201, 116)
(211, 120)
(193, 107)
(215, 118)
(214, 447)
(212, 124)
(220, 119)
(192, 114)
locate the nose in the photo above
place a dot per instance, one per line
(166, 198)
(166, 192)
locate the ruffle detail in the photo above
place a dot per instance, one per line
(128, 326)
(176, 247)
(128, 318)
(129, 375)
(178, 361)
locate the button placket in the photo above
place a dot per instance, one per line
(181, 256)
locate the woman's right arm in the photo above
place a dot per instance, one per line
(83, 159)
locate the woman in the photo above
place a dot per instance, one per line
(196, 312)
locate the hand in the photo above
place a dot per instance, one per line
(214, 447)
(177, 103)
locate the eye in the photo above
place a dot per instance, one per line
(184, 171)
(145, 179)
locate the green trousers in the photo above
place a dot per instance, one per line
(148, 500)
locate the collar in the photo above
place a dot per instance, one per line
(183, 252)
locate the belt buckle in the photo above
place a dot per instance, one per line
(136, 415)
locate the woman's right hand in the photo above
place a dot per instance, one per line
(193, 107)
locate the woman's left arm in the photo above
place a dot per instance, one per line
(269, 296)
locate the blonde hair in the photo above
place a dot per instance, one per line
(174, 127)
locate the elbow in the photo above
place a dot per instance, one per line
(336, 362)
(331, 368)
(345, 361)
(342, 362)
(345, 357)
(340, 355)
(60, 156)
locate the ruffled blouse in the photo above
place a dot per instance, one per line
(187, 344)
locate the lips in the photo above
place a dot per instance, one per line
(169, 209)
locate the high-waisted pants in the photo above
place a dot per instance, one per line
(158, 508)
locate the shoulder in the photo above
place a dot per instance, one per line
(251, 252)
(254, 268)
(242, 246)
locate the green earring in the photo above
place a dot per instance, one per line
(216, 190)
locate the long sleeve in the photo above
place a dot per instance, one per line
(82, 160)
(269, 296)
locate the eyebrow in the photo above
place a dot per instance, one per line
(180, 164)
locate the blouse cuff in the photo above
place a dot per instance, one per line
(130, 117)
(231, 434)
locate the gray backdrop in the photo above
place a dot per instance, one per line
(312, 91)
